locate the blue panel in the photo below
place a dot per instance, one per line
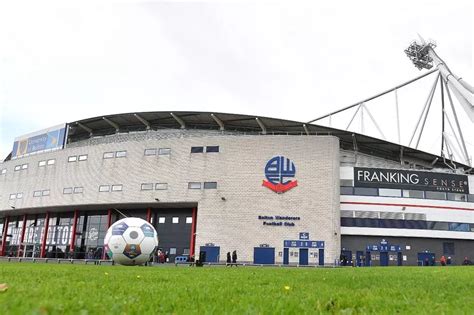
(321, 257)
(399, 259)
(303, 244)
(286, 256)
(212, 253)
(383, 258)
(303, 256)
(264, 255)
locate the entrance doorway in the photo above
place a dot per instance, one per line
(303, 256)
(264, 255)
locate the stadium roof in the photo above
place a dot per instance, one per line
(129, 122)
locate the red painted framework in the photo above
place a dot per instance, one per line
(72, 245)
(193, 233)
(4, 235)
(20, 248)
(45, 236)
(148, 215)
(403, 205)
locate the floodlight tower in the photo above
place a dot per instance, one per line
(423, 55)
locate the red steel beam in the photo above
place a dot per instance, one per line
(148, 215)
(4, 236)
(72, 245)
(45, 236)
(193, 233)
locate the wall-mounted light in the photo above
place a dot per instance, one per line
(158, 200)
(13, 207)
(223, 199)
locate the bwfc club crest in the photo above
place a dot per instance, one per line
(278, 171)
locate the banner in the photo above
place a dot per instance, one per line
(46, 139)
(408, 179)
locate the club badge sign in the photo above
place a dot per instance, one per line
(408, 179)
(279, 171)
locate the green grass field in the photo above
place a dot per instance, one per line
(88, 289)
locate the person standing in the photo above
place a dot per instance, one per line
(228, 259)
(442, 261)
(234, 257)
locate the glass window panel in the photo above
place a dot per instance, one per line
(212, 148)
(175, 220)
(459, 227)
(161, 186)
(346, 182)
(149, 152)
(4, 171)
(104, 188)
(197, 149)
(67, 190)
(147, 186)
(164, 151)
(37, 193)
(172, 251)
(210, 185)
(83, 157)
(24, 166)
(109, 155)
(470, 198)
(41, 163)
(17, 167)
(19, 195)
(385, 192)
(72, 158)
(45, 192)
(194, 185)
(120, 154)
(347, 190)
(457, 197)
(117, 187)
(189, 220)
(362, 191)
(78, 190)
(437, 195)
(413, 194)
(51, 162)
(432, 225)
(448, 248)
(12, 196)
(161, 220)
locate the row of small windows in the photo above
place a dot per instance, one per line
(21, 167)
(174, 220)
(16, 196)
(41, 193)
(73, 190)
(157, 186)
(407, 224)
(386, 192)
(116, 154)
(46, 162)
(205, 185)
(109, 188)
(209, 149)
(160, 151)
(75, 158)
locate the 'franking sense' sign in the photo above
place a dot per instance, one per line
(407, 179)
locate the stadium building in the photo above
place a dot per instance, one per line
(276, 191)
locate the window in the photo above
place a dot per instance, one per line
(12, 196)
(360, 191)
(437, 195)
(459, 227)
(18, 167)
(19, 195)
(4, 171)
(147, 186)
(104, 188)
(212, 148)
(194, 185)
(109, 155)
(51, 162)
(67, 191)
(413, 194)
(172, 251)
(83, 157)
(164, 151)
(197, 149)
(346, 182)
(470, 198)
(149, 152)
(175, 220)
(448, 248)
(37, 193)
(78, 190)
(117, 187)
(72, 158)
(41, 163)
(186, 251)
(347, 190)
(189, 220)
(161, 220)
(210, 185)
(161, 186)
(24, 166)
(456, 197)
(385, 192)
(120, 154)
(45, 192)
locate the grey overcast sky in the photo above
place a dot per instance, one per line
(64, 61)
